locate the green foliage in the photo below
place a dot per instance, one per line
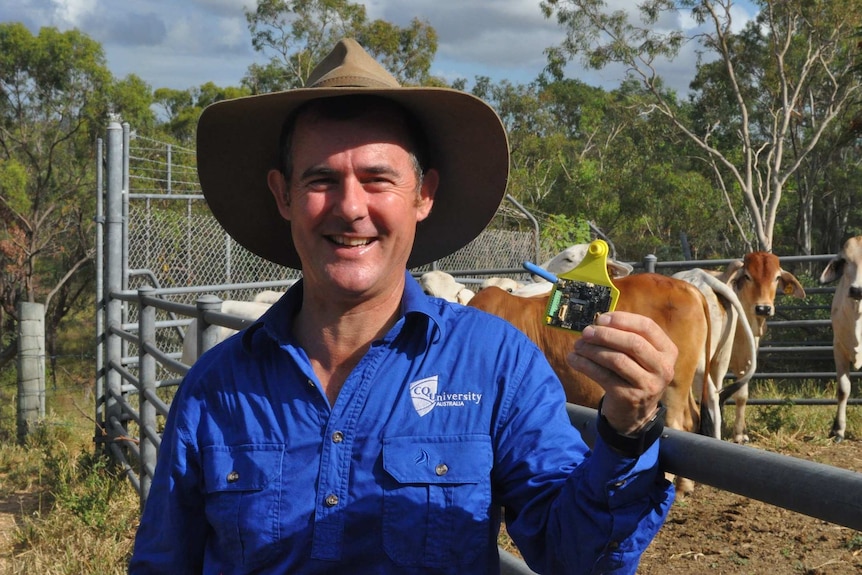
(13, 185)
(132, 99)
(85, 485)
(78, 512)
(559, 232)
(765, 104)
(297, 34)
(181, 109)
(8, 386)
(854, 542)
(773, 418)
(54, 100)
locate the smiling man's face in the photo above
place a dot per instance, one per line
(353, 201)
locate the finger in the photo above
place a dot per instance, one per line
(642, 325)
(648, 371)
(626, 354)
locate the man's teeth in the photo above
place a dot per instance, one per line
(352, 242)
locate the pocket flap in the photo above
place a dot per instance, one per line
(240, 467)
(438, 460)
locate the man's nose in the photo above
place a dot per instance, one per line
(352, 201)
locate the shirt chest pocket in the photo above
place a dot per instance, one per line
(437, 499)
(243, 491)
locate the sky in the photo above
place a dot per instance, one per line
(182, 44)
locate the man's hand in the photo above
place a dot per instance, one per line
(632, 359)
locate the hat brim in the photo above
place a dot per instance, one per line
(237, 145)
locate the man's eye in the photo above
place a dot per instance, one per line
(320, 183)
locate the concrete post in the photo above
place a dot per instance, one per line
(31, 367)
(113, 273)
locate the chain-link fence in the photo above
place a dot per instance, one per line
(175, 241)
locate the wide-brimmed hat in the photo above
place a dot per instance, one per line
(238, 143)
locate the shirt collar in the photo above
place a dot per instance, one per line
(414, 302)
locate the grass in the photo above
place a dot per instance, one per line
(783, 426)
(75, 513)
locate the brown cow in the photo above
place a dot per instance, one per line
(677, 306)
(756, 279)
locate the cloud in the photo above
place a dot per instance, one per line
(129, 29)
(73, 12)
(180, 44)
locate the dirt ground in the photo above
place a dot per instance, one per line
(12, 508)
(713, 531)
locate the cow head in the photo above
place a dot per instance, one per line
(757, 279)
(569, 258)
(847, 266)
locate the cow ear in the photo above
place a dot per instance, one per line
(619, 269)
(833, 271)
(791, 286)
(731, 273)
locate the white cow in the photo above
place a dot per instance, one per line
(443, 285)
(244, 309)
(846, 323)
(506, 284)
(566, 261)
(725, 309)
(268, 296)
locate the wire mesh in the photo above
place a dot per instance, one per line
(172, 233)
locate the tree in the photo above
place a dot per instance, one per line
(582, 154)
(766, 94)
(182, 108)
(54, 90)
(297, 34)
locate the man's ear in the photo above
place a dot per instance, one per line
(425, 202)
(281, 193)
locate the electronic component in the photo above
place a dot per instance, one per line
(582, 294)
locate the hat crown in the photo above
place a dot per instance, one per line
(348, 65)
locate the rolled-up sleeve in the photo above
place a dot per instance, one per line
(570, 509)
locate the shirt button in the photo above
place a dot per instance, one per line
(310, 384)
(331, 500)
(441, 469)
(337, 437)
(619, 484)
(232, 477)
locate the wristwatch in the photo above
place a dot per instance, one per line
(631, 445)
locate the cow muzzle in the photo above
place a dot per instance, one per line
(763, 310)
(855, 292)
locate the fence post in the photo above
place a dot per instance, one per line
(98, 432)
(113, 275)
(31, 367)
(207, 333)
(649, 263)
(147, 377)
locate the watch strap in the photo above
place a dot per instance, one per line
(631, 445)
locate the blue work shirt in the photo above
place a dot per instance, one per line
(451, 416)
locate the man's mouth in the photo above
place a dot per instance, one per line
(350, 242)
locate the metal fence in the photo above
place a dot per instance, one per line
(162, 260)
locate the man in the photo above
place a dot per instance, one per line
(360, 426)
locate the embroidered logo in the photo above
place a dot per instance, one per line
(422, 393)
(425, 396)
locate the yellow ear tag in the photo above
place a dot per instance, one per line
(788, 289)
(582, 294)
